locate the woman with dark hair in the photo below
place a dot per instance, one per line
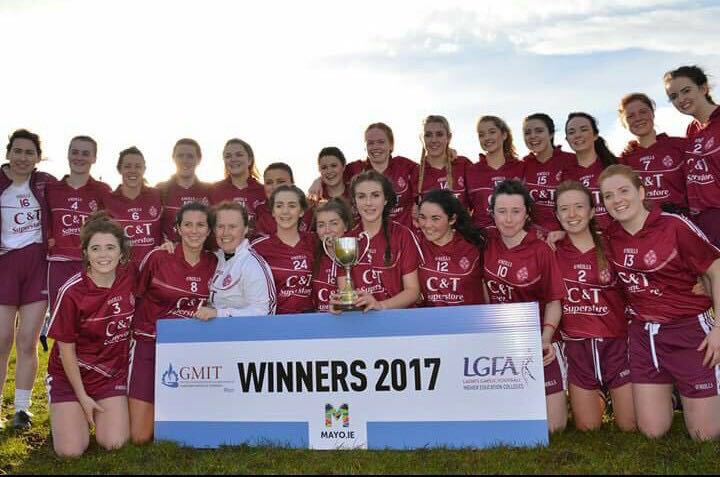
(171, 286)
(674, 338)
(452, 248)
(498, 163)
(518, 268)
(289, 252)
(440, 167)
(242, 180)
(593, 156)
(184, 186)
(689, 91)
(331, 164)
(544, 168)
(386, 274)
(88, 367)
(275, 175)
(332, 220)
(594, 324)
(658, 158)
(23, 290)
(136, 207)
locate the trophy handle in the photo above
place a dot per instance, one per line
(367, 245)
(327, 252)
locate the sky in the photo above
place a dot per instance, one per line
(293, 77)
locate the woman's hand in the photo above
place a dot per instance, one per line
(168, 246)
(366, 301)
(711, 345)
(554, 237)
(205, 313)
(548, 352)
(89, 406)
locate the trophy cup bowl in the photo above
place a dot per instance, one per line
(344, 251)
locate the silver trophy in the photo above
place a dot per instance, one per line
(345, 252)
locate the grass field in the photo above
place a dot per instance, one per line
(605, 451)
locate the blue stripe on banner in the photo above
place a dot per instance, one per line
(507, 318)
(460, 434)
(214, 434)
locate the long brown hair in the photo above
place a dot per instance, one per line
(437, 119)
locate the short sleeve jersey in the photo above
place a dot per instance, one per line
(588, 176)
(140, 218)
(661, 168)
(434, 178)
(324, 282)
(292, 270)
(250, 196)
(525, 273)
(98, 320)
(593, 305)
(703, 164)
(169, 287)
(541, 179)
(265, 222)
(660, 264)
(481, 180)
(372, 274)
(174, 197)
(451, 274)
(69, 209)
(400, 171)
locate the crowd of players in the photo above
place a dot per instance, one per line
(620, 253)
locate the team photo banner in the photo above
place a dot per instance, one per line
(467, 376)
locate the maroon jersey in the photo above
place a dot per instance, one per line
(140, 219)
(265, 222)
(451, 274)
(588, 176)
(174, 197)
(292, 270)
(169, 287)
(400, 171)
(372, 274)
(250, 196)
(661, 167)
(527, 272)
(324, 282)
(660, 264)
(703, 164)
(98, 320)
(69, 208)
(481, 180)
(541, 179)
(437, 179)
(593, 306)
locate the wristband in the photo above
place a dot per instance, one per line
(550, 325)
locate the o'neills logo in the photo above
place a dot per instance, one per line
(487, 373)
(195, 376)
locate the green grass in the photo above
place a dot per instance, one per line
(605, 451)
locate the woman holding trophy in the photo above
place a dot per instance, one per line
(332, 220)
(289, 252)
(386, 254)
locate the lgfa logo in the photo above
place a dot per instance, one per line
(342, 412)
(170, 378)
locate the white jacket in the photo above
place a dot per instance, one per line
(243, 285)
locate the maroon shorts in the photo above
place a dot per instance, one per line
(23, 275)
(59, 388)
(597, 362)
(59, 273)
(709, 222)
(667, 354)
(141, 384)
(556, 372)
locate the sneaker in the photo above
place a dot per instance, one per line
(22, 420)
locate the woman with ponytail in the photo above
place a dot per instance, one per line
(593, 156)
(544, 168)
(452, 248)
(439, 167)
(498, 163)
(594, 324)
(386, 275)
(689, 91)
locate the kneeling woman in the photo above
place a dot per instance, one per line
(673, 336)
(594, 325)
(452, 248)
(88, 366)
(386, 275)
(519, 268)
(170, 286)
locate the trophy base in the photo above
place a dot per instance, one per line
(347, 307)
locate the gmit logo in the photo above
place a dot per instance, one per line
(341, 412)
(170, 377)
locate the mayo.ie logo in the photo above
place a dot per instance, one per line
(170, 377)
(342, 412)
